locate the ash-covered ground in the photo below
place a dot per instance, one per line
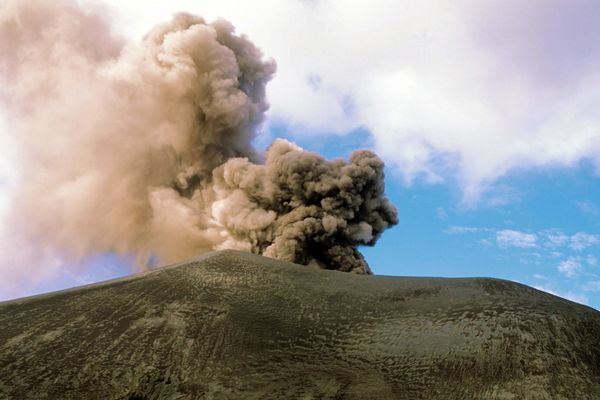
(232, 325)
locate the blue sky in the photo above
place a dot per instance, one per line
(485, 114)
(544, 237)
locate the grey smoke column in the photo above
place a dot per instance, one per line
(146, 148)
(301, 208)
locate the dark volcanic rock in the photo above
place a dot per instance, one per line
(237, 326)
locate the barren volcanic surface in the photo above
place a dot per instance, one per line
(232, 325)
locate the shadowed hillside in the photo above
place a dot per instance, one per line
(232, 325)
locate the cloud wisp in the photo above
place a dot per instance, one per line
(551, 244)
(570, 267)
(582, 240)
(511, 238)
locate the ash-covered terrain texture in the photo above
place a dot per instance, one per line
(233, 325)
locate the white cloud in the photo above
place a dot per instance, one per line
(441, 213)
(555, 254)
(575, 297)
(554, 238)
(592, 286)
(570, 267)
(459, 230)
(549, 244)
(486, 242)
(464, 89)
(582, 240)
(588, 207)
(512, 238)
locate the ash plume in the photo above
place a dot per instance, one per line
(146, 148)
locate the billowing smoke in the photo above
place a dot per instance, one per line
(301, 208)
(146, 148)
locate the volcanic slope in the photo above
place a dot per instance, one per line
(232, 325)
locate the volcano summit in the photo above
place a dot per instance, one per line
(233, 325)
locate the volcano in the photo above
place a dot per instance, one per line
(233, 325)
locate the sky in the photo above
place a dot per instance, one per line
(485, 114)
